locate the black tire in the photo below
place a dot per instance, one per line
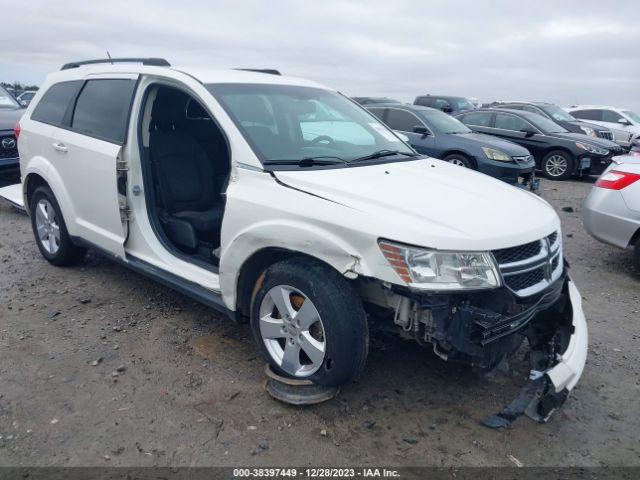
(342, 319)
(460, 160)
(67, 252)
(636, 257)
(551, 165)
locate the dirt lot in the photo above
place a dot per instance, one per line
(100, 366)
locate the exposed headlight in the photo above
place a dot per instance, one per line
(589, 131)
(426, 269)
(494, 154)
(592, 148)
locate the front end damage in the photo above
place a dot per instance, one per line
(484, 329)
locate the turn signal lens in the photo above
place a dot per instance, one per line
(17, 130)
(617, 180)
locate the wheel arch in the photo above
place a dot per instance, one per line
(454, 151)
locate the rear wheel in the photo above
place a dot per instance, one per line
(557, 165)
(459, 159)
(636, 257)
(50, 230)
(309, 323)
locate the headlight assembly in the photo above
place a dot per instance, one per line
(589, 131)
(494, 154)
(426, 269)
(592, 148)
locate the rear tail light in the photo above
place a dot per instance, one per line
(617, 180)
(17, 129)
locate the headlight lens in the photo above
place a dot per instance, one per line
(589, 131)
(422, 268)
(494, 154)
(592, 148)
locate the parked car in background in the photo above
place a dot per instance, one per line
(442, 136)
(625, 124)
(558, 152)
(560, 116)
(611, 211)
(234, 206)
(635, 148)
(10, 112)
(448, 104)
(373, 100)
(25, 97)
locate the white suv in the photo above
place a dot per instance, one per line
(279, 201)
(625, 124)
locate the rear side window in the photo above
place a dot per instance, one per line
(54, 103)
(102, 109)
(478, 119)
(425, 101)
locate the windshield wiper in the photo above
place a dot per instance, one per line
(307, 161)
(384, 153)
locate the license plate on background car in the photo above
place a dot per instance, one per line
(585, 163)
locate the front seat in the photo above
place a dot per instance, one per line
(186, 192)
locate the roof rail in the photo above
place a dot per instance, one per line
(155, 62)
(270, 71)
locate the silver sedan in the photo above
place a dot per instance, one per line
(611, 211)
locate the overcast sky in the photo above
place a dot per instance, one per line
(560, 51)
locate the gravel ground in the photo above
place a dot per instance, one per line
(101, 366)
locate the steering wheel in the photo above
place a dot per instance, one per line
(321, 138)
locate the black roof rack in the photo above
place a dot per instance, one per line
(270, 71)
(155, 62)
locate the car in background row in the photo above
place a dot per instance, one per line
(635, 148)
(448, 104)
(625, 124)
(10, 112)
(611, 211)
(373, 100)
(561, 117)
(558, 153)
(434, 133)
(25, 97)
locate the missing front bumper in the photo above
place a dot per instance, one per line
(548, 389)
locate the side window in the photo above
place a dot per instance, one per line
(477, 119)
(587, 114)
(610, 116)
(54, 103)
(528, 108)
(401, 120)
(510, 122)
(102, 109)
(441, 103)
(425, 101)
(378, 112)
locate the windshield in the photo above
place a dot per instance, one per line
(632, 115)
(284, 123)
(7, 100)
(545, 125)
(557, 113)
(442, 122)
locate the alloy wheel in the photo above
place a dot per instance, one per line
(556, 165)
(47, 226)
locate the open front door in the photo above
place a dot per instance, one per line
(90, 157)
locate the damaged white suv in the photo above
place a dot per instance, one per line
(283, 202)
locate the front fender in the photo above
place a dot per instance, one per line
(289, 235)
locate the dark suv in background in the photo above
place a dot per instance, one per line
(373, 100)
(10, 113)
(560, 116)
(558, 152)
(448, 104)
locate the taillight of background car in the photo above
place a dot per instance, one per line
(17, 129)
(617, 180)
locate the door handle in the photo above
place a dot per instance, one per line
(61, 147)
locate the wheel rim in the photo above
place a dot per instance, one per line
(556, 165)
(292, 331)
(47, 226)
(458, 161)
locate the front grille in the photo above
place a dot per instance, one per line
(522, 159)
(605, 134)
(516, 254)
(529, 268)
(8, 152)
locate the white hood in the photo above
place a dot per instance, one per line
(432, 203)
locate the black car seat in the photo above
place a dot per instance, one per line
(190, 205)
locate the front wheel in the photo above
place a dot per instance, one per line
(557, 165)
(459, 159)
(636, 257)
(309, 323)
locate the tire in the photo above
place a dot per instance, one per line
(50, 231)
(636, 257)
(330, 346)
(557, 165)
(460, 160)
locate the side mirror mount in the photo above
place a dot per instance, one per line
(528, 132)
(447, 109)
(624, 121)
(421, 130)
